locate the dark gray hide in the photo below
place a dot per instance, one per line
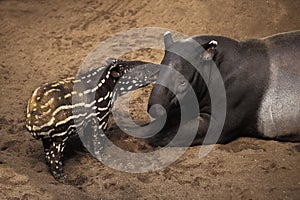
(261, 78)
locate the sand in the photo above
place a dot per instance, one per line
(43, 41)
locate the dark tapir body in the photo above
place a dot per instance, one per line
(261, 79)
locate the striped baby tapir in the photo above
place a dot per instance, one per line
(60, 109)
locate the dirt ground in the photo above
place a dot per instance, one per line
(42, 41)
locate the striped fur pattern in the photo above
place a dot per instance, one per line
(54, 107)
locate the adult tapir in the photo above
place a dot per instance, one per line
(262, 87)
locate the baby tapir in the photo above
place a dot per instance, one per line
(51, 111)
(262, 87)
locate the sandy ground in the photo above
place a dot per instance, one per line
(42, 41)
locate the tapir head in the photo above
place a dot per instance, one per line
(180, 74)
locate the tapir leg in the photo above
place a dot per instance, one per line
(209, 131)
(187, 129)
(54, 148)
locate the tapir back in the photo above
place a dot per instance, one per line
(279, 113)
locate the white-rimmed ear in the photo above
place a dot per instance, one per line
(168, 39)
(210, 50)
(110, 60)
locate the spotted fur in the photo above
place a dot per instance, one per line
(53, 109)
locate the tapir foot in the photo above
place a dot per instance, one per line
(54, 155)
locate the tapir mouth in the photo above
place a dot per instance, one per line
(174, 103)
(159, 112)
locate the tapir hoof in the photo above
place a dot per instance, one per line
(60, 177)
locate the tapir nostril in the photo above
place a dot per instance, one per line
(157, 111)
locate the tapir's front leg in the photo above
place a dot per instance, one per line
(187, 133)
(188, 128)
(191, 132)
(54, 148)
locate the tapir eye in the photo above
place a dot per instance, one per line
(182, 86)
(140, 74)
(182, 83)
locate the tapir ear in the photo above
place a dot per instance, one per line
(168, 39)
(210, 50)
(110, 60)
(116, 72)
